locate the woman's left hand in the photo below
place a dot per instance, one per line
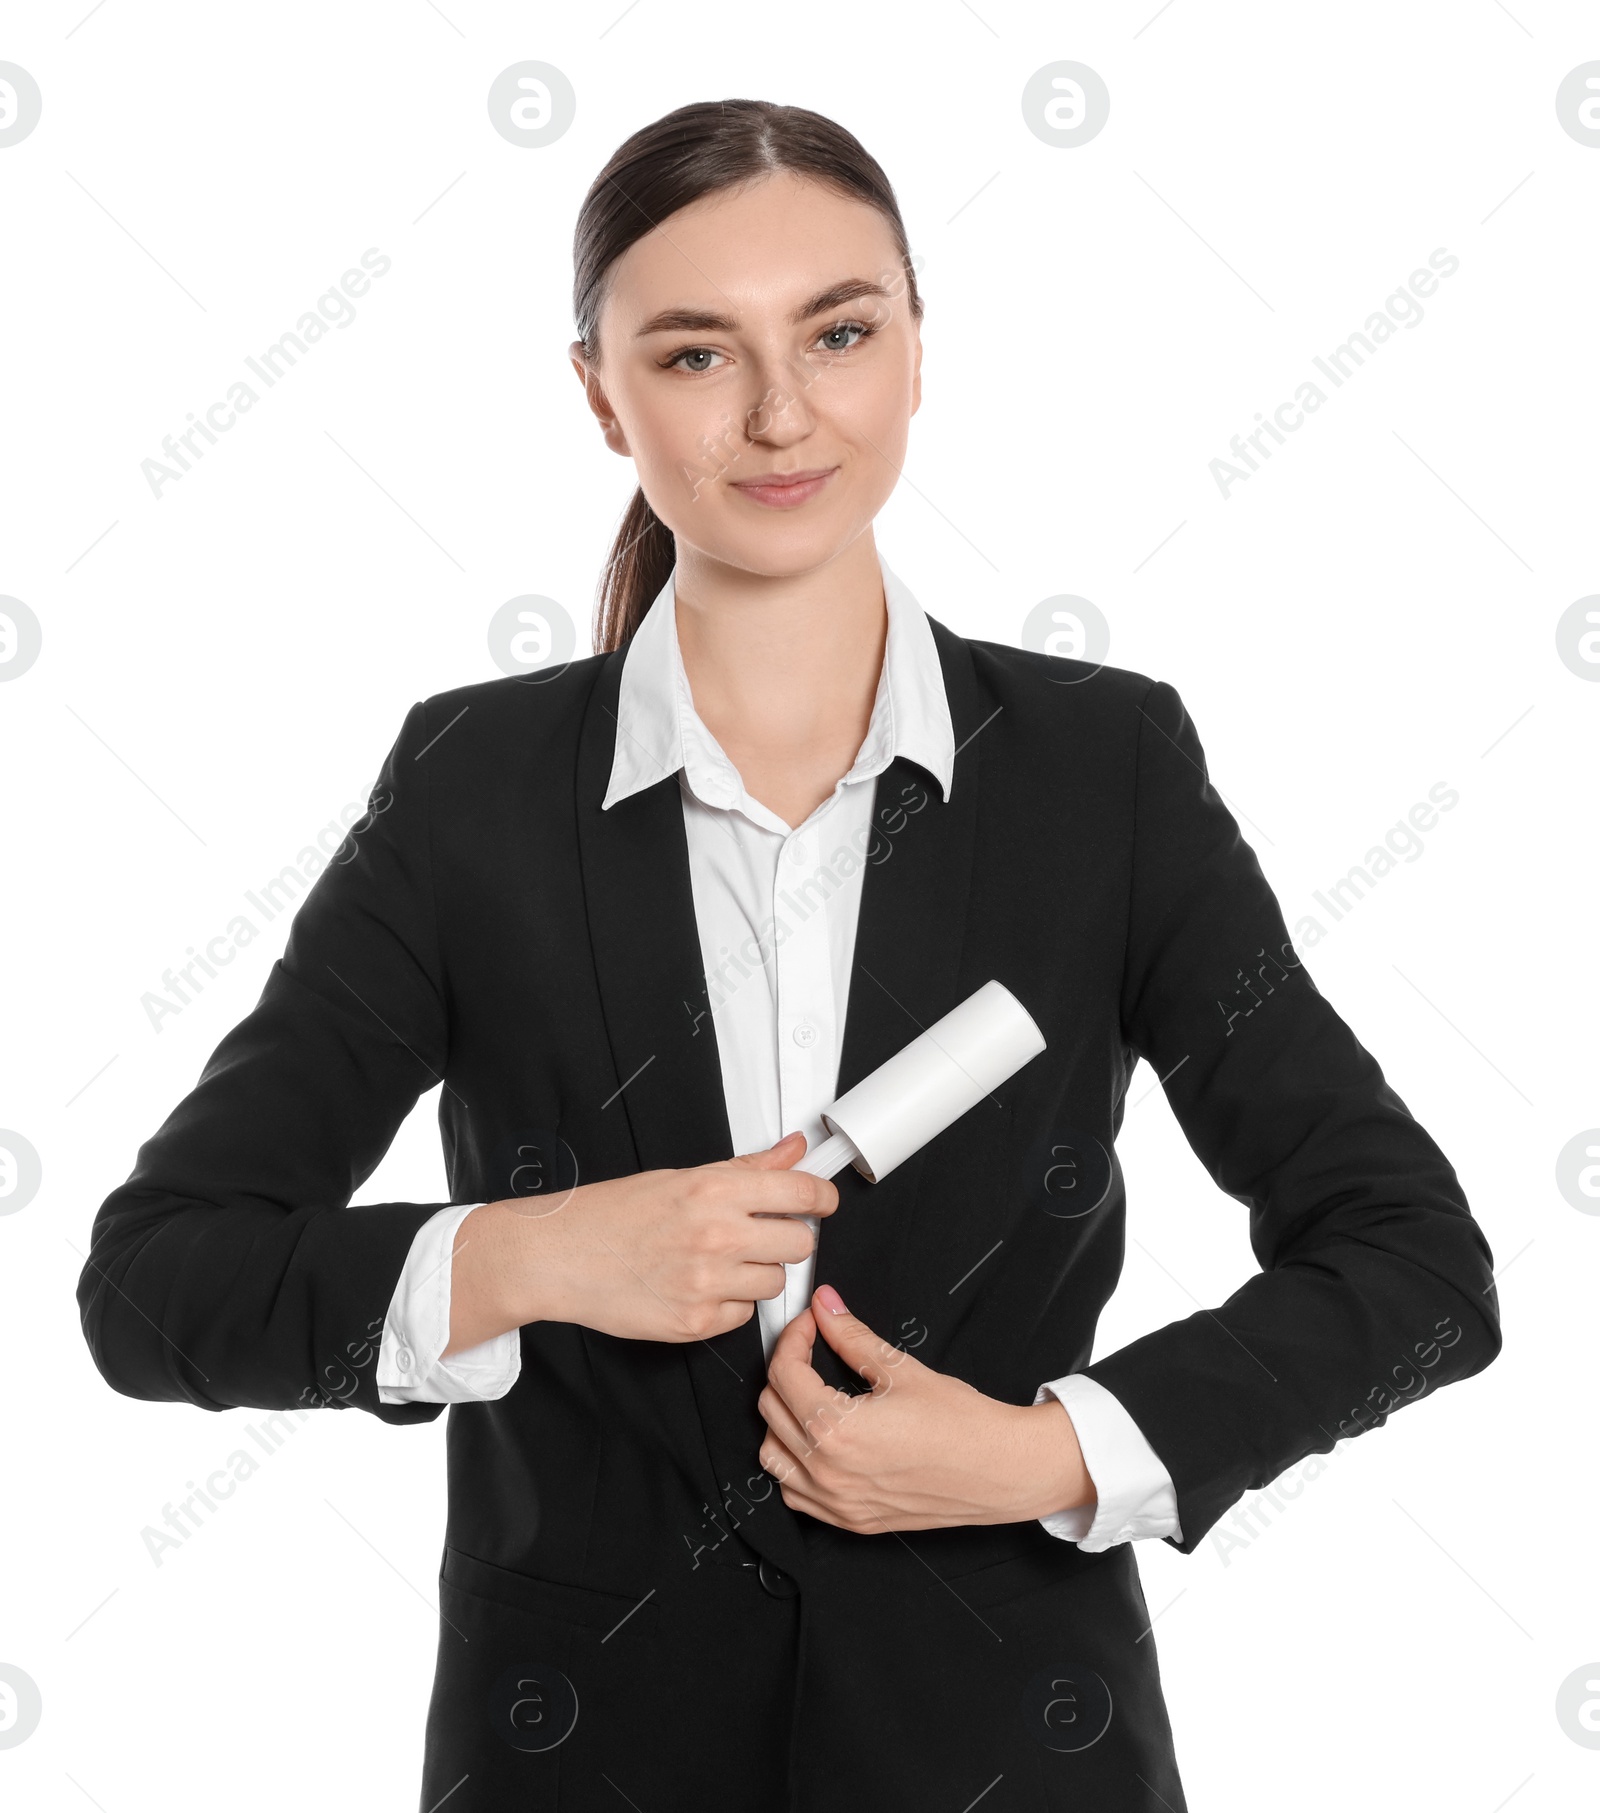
(921, 1451)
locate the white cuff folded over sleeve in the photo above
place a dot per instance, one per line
(1136, 1494)
(416, 1330)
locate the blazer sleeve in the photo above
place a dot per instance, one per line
(230, 1269)
(1376, 1284)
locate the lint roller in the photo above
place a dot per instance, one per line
(921, 1090)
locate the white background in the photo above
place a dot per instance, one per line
(1371, 613)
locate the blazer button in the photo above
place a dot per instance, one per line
(778, 1583)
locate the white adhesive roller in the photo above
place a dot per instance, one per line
(924, 1088)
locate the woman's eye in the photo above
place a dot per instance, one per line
(694, 358)
(829, 339)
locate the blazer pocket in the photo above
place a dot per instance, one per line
(1016, 1577)
(559, 1601)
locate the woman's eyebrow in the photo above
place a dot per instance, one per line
(699, 320)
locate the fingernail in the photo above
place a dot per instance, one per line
(832, 1302)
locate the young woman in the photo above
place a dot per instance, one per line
(657, 909)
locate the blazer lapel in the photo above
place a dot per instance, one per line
(639, 902)
(640, 909)
(906, 975)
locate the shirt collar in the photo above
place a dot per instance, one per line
(660, 733)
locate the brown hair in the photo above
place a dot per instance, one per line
(685, 155)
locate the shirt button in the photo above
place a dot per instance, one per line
(797, 850)
(805, 1035)
(402, 1359)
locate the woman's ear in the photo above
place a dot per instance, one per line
(595, 396)
(916, 369)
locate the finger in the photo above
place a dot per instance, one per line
(775, 1240)
(794, 1340)
(776, 1157)
(790, 1376)
(785, 1426)
(788, 1193)
(778, 1459)
(799, 1193)
(813, 1402)
(755, 1282)
(727, 1315)
(849, 1337)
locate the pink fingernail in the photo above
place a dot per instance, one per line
(831, 1300)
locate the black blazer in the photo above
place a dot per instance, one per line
(614, 1553)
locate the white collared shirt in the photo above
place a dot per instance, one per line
(776, 908)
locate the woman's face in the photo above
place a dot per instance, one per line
(761, 334)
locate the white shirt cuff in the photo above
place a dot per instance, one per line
(416, 1330)
(1136, 1494)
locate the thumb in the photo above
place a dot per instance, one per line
(789, 1150)
(849, 1337)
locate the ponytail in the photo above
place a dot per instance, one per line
(641, 558)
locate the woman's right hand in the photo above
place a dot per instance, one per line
(670, 1255)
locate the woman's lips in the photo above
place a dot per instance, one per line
(784, 490)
